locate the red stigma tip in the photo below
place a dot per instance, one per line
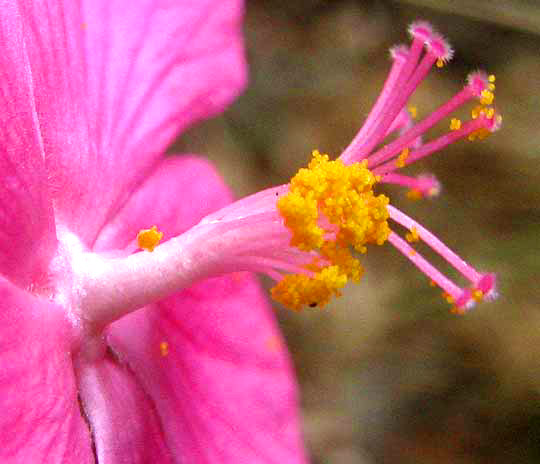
(421, 30)
(477, 82)
(439, 46)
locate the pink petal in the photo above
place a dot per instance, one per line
(224, 391)
(27, 235)
(40, 419)
(114, 82)
(125, 426)
(178, 194)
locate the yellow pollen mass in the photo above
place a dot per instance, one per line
(148, 239)
(455, 124)
(164, 349)
(487, 97)
(412, 236)
(330, 209)
(440, 63)
(413, 111)
(296, 291)
(489, 113)
(400, 161)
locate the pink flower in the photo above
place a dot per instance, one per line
(92, 92)
(303, 234)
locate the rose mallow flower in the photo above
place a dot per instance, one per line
(91, 94)
(132, 329)
(308, 235)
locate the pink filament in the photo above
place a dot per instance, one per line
(452, 258)
(362, 144)
(407, 139)
(422, 183)
(425, 266)
(436, 145)
(395, 105)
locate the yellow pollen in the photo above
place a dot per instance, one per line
(412, 236)
(491, 87)
(487, 112)
(413, 111)
(458, 311)
(440, 63)
(164, 349)
(487, 97)
(478, 295)
(455, 124)
(412, 252)
(148, 239)
(400, 161)
(330, 209)
(491, 78)
(297, 290)
(415, 194)
(432, 283)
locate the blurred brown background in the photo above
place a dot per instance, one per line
(387, 374)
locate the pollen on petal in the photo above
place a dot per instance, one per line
(148, 239)
(164, 348)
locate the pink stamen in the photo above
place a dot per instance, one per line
(452, 258)
(402, 95)
(406, 139)
(426, 184)
(425, 266)
(428, 148)
(361, 146)
(403, 121)
(399, 55)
